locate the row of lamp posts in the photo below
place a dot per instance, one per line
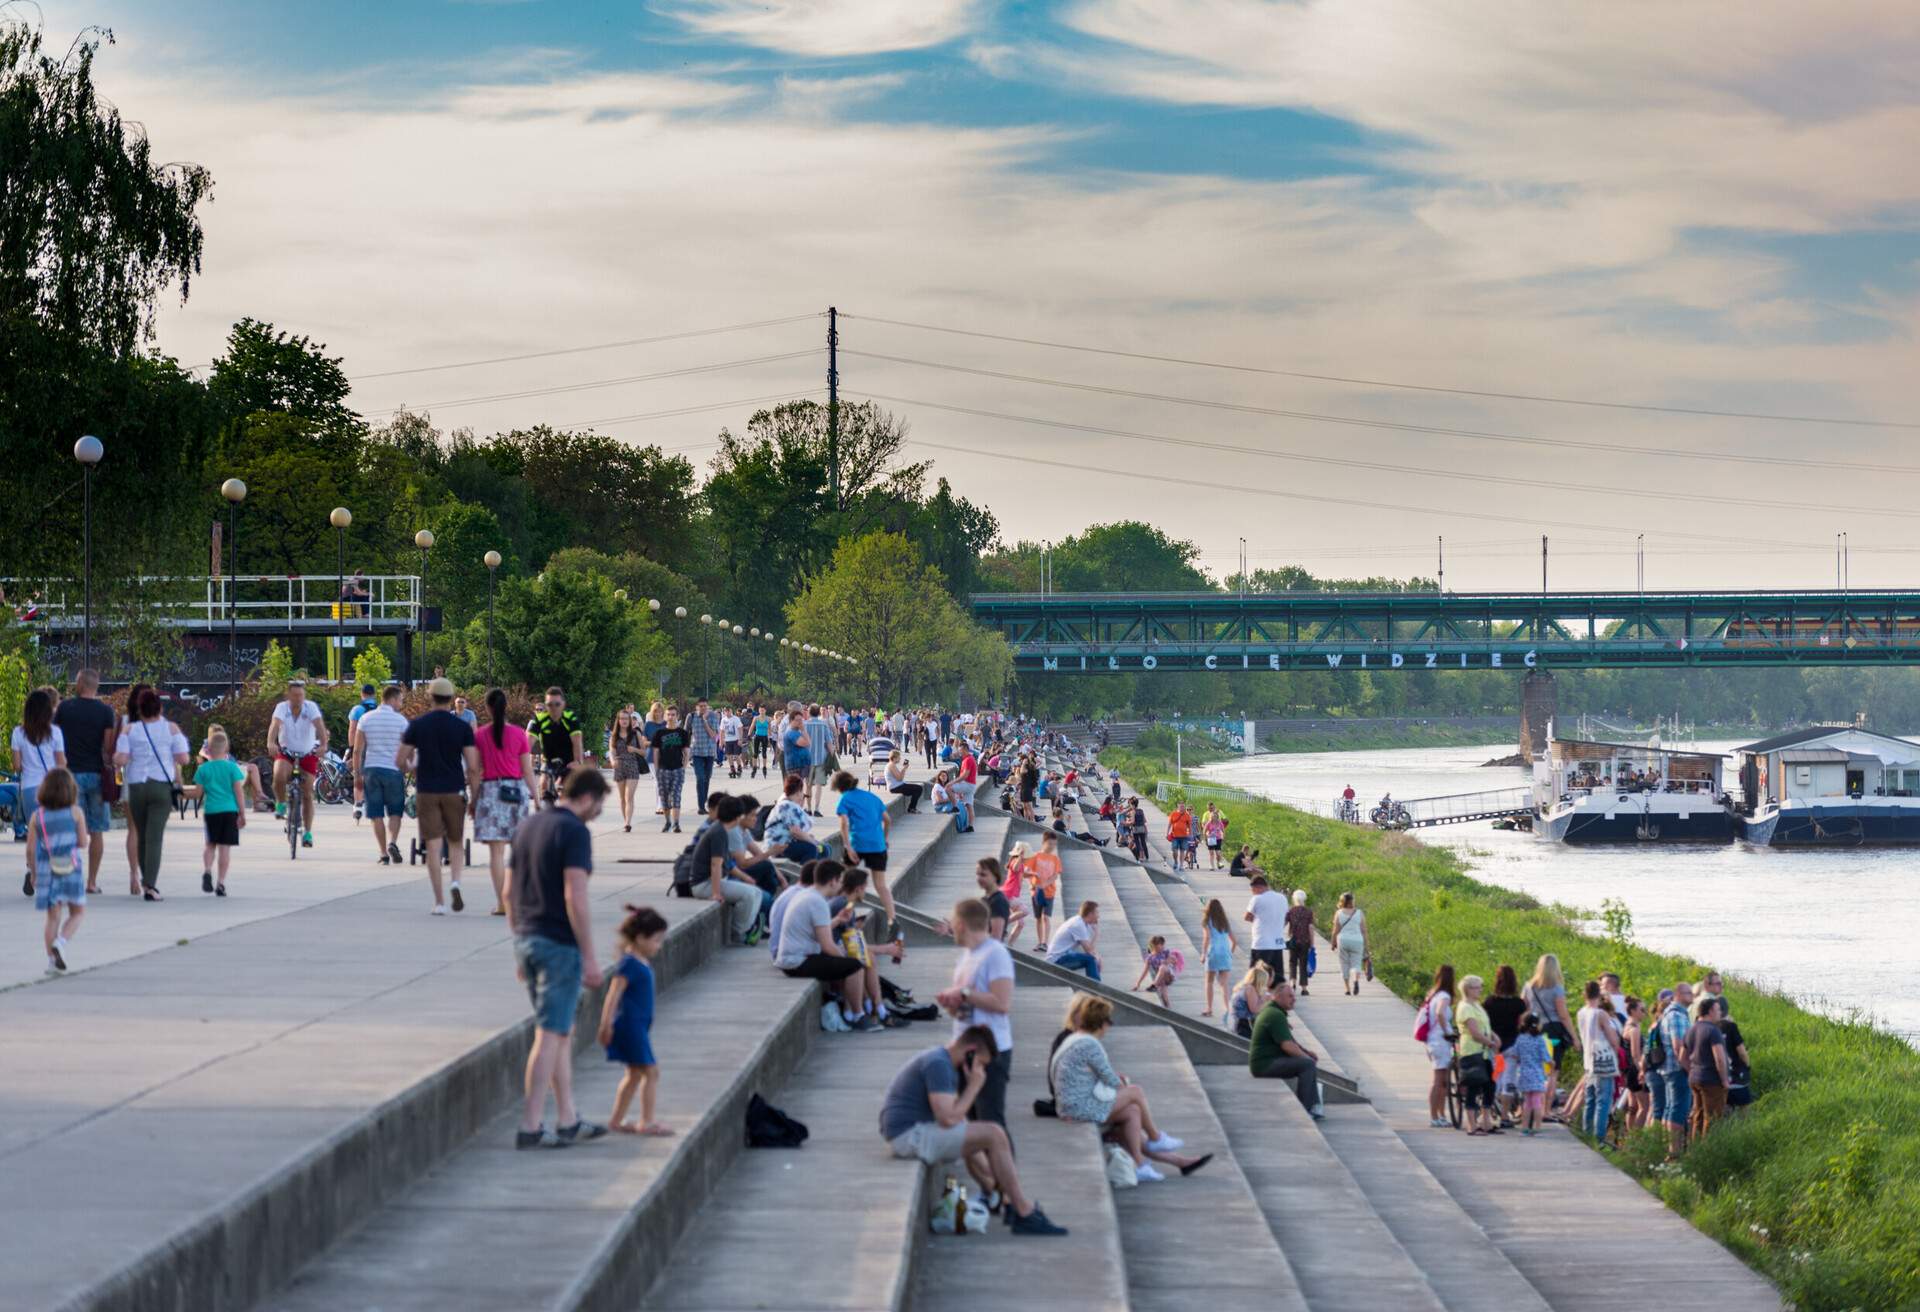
(89, 451)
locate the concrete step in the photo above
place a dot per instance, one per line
(1461, 1263)
(1345, 1257)
(835, 1224)
(609, 1212)
(936, 885)
(1062, 1168)
(1202, 1239)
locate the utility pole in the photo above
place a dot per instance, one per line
(833, 402)
(1543, 565)
(1443, 565)
(1640, 574)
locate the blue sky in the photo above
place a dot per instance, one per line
(1711, 207)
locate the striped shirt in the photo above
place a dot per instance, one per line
(381, 727)
(820, 739)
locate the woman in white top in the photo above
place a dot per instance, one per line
(1350, 937)
(38, 747)
(1440, 1037)
(897, 782)
(152, 752)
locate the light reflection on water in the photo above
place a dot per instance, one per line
(1834, 929)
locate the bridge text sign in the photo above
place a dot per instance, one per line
(1343, 660)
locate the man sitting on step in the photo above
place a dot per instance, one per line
(1276, 1055)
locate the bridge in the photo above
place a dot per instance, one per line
(1103, 632)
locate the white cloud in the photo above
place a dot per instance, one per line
(830, 27)
(596, 208)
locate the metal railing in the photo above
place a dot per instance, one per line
(202, 600)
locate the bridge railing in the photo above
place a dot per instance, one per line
(385, 600)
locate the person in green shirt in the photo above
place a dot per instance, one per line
(221, 787)
(1275, 1054)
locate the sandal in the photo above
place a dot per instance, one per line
(151, 895)
(654, 1131)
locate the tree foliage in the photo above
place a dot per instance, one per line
(568, 628)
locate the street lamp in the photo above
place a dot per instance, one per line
(706, 658)
(423, 540)
(340, 519)
(653, 604)
(235, 492)
(87, 451)
(492, 559)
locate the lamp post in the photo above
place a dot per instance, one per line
(235, 492)
(340, 519)
(492, 559)
(87, 451)
(679, 613)
(753, 657)
(706, 659)
(423, 540)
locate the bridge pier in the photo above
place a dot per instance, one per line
(1539, 702)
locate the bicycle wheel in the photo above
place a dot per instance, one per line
(1456, 1104)
(295, 806)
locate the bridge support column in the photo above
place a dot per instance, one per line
(1539, 702)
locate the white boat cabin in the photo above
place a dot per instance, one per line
(1830, 761)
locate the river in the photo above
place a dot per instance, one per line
(1835, 930)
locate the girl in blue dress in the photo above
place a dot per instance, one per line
(56, 851)
(628, 1016)
(1221, 944)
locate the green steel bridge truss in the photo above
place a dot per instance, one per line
(1072, 633)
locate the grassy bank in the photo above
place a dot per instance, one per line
(1817, 1184)
(1381, 740)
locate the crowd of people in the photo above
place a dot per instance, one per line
(1679, 1061)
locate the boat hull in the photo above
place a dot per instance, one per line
(1586, 823)
(1858, 823)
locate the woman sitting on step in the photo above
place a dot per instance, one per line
(1086, 1088)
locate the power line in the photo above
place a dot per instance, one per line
(604, 382)
(1380, 382)
(1609, 448)
(693, 409)
(1376, 467)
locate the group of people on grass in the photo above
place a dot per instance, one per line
(1680, 1061)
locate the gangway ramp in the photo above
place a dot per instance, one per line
(1459, 808)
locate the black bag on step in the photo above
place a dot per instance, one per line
(769, 1127)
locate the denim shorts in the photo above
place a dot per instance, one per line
(386, 792)
(99, 815)
(1679, 1096)
(553, 980)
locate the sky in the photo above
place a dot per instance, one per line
(1336, 226)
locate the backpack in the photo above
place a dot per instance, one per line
(760, 822)
(1423, 1022)
(769, 1127)
(683, 870)
(1654, 1050)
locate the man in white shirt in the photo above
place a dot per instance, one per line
(1267, 913)
(730, 738)
(982, 994)
(296, 739)
(1074, 943)
(378, 785)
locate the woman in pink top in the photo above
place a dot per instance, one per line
(506, 773)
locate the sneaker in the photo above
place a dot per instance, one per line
(676, 826)
(393, 850)
(579, 1132)
(306, 840)
(530, 1138)
(1034, 1223)
(865, 1025)
(280, 810)
(219, 890)
(1318, 1113)
(1166, 1143)
(59, 961)
(753, 937)
(439, 909)
(459, 903)
(666, 826)
(206, 881)
(52, 968)
(1146, 1174)
(385, 860)
(1440, 1123)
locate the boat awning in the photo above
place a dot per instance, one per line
(1815, 756)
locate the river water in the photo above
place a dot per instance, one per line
(1836, 930)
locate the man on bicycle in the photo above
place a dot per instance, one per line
(296, 737)
(558, 732)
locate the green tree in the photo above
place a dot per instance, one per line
(463, 534)
(882, 605)
(570, 629)
(266, 370)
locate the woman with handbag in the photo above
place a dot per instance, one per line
(627, 746)
(1354, 943)
(39, 749)
(1086, 1088)
(152, 752)
(506, 782)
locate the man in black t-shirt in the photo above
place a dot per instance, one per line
(84, 722)
(549, 916)
(440, 750)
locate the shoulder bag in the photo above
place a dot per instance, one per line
(179, 795)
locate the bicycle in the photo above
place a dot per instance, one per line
(334, 784)
(296, 807)
(1456, 1089)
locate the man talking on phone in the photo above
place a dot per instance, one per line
(924, 1116)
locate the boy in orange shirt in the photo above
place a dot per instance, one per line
(1043, 876)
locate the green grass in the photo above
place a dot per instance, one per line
(1817, 1184)
(1375, 740)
